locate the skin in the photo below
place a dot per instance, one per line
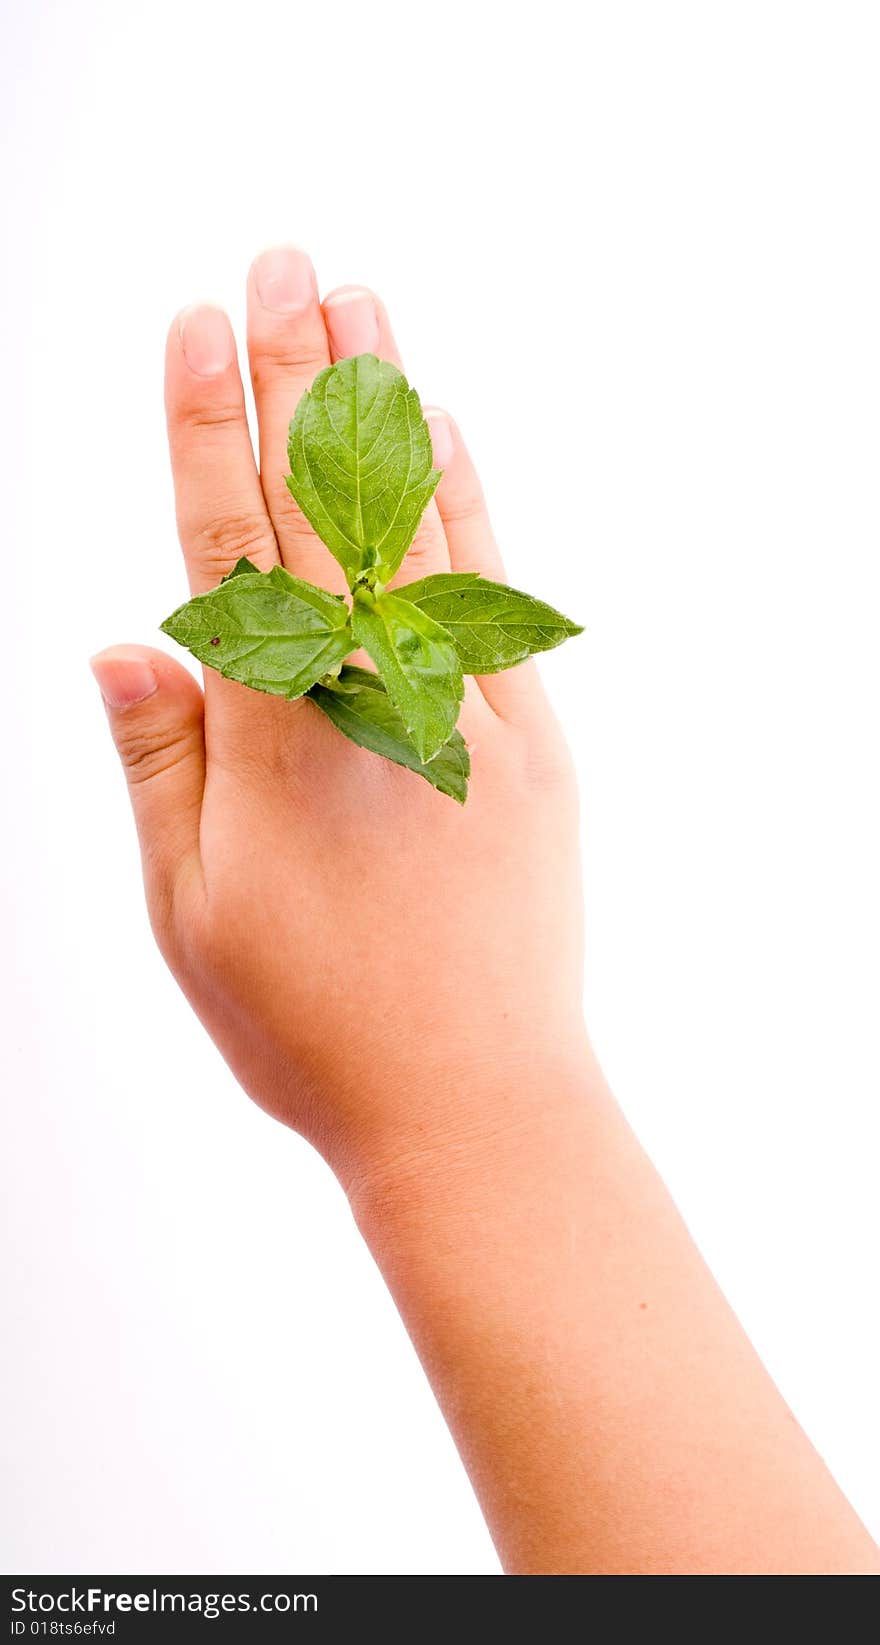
(611, 1412)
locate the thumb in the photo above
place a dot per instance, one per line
(156, 714)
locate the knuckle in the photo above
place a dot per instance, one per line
(291, 519)
(218, 543)
(286, 353)
(303, 551)
(149, 752)
(464, 507)
(213, 416)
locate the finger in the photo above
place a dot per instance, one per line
(287, 344)
(155, 709)
(460, 501)
(221, 514)
(357, 323)
(517, 692)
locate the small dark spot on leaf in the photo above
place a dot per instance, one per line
(215, 639)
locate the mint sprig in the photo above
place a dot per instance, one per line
(361, 472)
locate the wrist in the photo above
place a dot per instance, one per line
(498, 1122)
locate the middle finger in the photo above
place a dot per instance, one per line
(287, 344)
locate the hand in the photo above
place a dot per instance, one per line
(377, 964)
(399, 978)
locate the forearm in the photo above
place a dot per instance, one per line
(611, 1412)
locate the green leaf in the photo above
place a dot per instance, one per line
(491, 626)
(268, 630)
(361, 709)
(360, 464)
(240, 569)
(418, 664)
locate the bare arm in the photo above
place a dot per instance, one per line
(612, 1413)
(399, 979)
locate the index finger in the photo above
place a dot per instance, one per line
(221, 511)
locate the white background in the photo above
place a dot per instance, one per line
(635, 249)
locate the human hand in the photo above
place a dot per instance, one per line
(399, 978)
(378, 965)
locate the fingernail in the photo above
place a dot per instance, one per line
(285, 279)
(352, 322)
(123, 680)
(207, 340)
(442, 442)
